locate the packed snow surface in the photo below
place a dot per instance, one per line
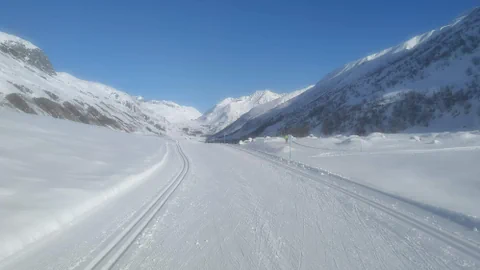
(81, 197)
(440, 169)
(54, 171)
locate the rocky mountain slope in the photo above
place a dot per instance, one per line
(430, 82)
(230, 109)
(29, 83)
(26, 52)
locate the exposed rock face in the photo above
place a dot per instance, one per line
(18, 102)
(32, 56)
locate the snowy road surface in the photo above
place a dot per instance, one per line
(218, 207)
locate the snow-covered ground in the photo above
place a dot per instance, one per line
(76, 196)
(439, 169)
(53, 171)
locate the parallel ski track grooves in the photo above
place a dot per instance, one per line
(320, 148)
(468, 248)
(109, 256)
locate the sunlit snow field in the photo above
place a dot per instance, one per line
(440, 169)
(53, 171)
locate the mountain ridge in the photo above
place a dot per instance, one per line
(172, 111)
(429, 81)
(230, 109)
(29, 84)
(260, 110)
(436, 73)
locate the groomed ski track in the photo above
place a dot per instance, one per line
(214, 206)
(468, 247)
(109, 256)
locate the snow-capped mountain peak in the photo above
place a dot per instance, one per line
(8, 39)
(230, 109)
(262, 97)
(260, 110)
(173, 112)
(26, 52)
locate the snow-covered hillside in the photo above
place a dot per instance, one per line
(258, 111)
(28, 83)
(26, 52)
(173, 112)
(8, 40)
(430, 82)
(230, 109)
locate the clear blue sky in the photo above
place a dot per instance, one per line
(199, 52)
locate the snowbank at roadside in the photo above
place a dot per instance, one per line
(53, 171)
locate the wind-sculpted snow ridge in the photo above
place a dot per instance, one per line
(429, 83)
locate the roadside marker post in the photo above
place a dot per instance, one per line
(290, 147)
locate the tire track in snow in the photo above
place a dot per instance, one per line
(108, 257)
(466, 247)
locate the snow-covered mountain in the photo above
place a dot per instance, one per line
(26, 52)
(431, 82)
(173, 112)
(230, 109)
(260, 110)
(29, 83)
